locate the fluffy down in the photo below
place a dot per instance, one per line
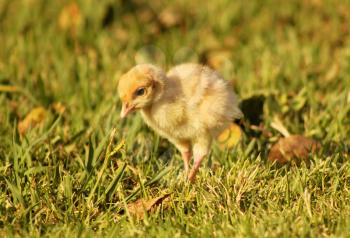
(190, 105)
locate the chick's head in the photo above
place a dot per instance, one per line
(140, 87)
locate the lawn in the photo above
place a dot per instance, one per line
(70, 167)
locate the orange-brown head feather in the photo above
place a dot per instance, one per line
(139, 87)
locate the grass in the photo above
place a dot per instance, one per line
(76, 172)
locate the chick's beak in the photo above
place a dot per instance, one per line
(126, 109)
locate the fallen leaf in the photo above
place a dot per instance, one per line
(293, 148)
(141, 206)
(34, 118)
(230, 136)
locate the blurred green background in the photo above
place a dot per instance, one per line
(62, 171)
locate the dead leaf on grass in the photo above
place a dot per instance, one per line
(33, 119)
(141, 206)
(230, 136)
(293, 148)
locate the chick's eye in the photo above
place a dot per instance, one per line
(140, 92)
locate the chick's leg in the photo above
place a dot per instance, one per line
(200, 150)
(185, 149)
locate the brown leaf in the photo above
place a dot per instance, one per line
(33, 119)
(293, 148)
(230, 136)
(141, 206)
